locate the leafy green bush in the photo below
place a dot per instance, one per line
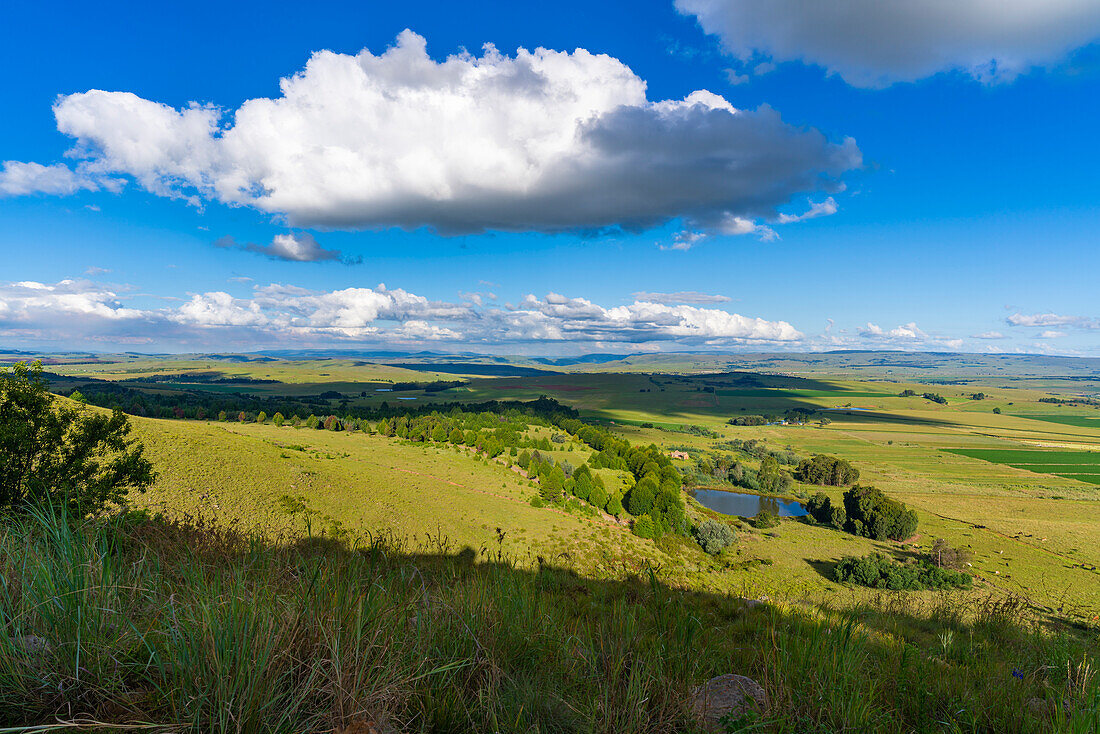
(879, 572)
(713, 536)
(764, 520)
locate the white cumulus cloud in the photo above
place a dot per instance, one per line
(875, 43)
(539, 141)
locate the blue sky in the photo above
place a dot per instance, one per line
(591, 200)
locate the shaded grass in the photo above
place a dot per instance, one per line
(187, 628)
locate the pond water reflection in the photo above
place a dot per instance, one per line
(740, 503)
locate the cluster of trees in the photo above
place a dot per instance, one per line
(759, 450)
(1071, 402)
(826, 470)
(879, 572)
(724, 467)
(872, 514)
(866, 511)
(655, 500)
(752, 420)
(794, 415)
(558, 481)
(935, 398)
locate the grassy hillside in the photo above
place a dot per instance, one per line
(134, 623)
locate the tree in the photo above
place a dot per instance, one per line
(50, 452)
(552, 484)
(769, 474)
(640, 499)
(313, 421)
(614, 505)
(598, 497)
(278, 420)
(644, 527)
(583, 485)
(261, 417)
(821, 509)
(872, 514)
(242, 417)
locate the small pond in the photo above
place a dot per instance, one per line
(740, 503)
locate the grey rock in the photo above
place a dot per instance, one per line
(727, 695)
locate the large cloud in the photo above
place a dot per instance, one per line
(541, 141)
(874, 43)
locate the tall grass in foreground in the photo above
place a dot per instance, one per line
(140, 622)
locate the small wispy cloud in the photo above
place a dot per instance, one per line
(680, 297)
(1052, 319)
(290, 247)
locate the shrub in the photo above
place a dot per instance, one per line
(764, 520)
(713, 536)
(872, 514)
(879, 572)
(944, 556)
